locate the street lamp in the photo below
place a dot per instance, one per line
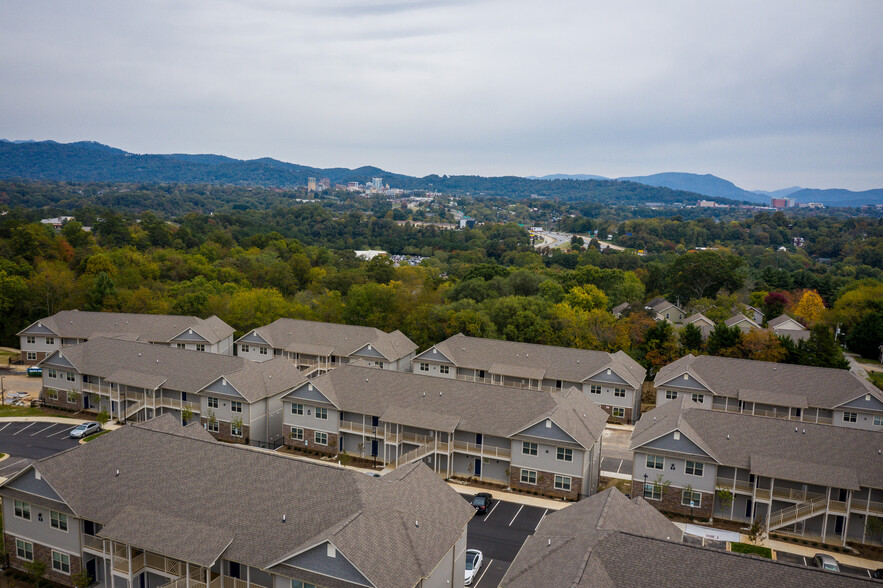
(644, 489)
(374, 448)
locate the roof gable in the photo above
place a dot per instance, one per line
(684, 380)
(37, 328)
(433, 354)
(189, 335)
(675, 441)
(866, 402)
(307, 392)
(608, 376)
(31, 482)
(222, 386)
(252, 338)
(57, 359)
(368, 350)
(317, 559)
(547, 429)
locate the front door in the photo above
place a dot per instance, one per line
(838, 525)
(748, 509)
(478, 438)
(477, 466)
(92, 569)
(374, 447)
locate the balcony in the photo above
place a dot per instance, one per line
(739, 485)
(837, 506)
(366, 430)
(485, 450)
(465, 378)
(794, 495)
(866, 505)
(94, 543)
(166, 402)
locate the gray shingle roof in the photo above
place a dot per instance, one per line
(725, 376)
(779, 320)
(558, 363)
(77, 324)
(802, 452)
(149, 365)
(328, 338)
(698, 317)
(734, 320)
(225, 491)
(442, 404)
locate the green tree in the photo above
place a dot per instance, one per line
(821, 350)
(75, 235)
(81, 579)
(586, 297)
(36, 569)
(866, 337)
(702, 273)
(723, 340)
(691, 338)
(103, 290)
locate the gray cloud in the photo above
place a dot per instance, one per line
(764, 94)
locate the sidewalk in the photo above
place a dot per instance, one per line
(51, 419)
(515, 497)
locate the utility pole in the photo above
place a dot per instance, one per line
(2, 392)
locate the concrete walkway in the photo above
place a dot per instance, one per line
(515, 497)
(51, 419)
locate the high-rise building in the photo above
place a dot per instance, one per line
(311, 184)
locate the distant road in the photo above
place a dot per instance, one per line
(553, 240)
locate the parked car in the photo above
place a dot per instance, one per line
(482, 502)
(877, 574)
(826, 562)
(85, 430)
(473, 563)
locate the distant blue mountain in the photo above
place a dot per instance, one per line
(707, 185)
(567, 177)
(839, 197)
(783, 193)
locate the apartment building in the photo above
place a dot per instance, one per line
(528, 439)
(805, 479)
(237, 400)
(318, 347)
(663, 310)
(611, 380)
(795, 392)
(744, 323)
(785, 326)
(70, 327)
(237, 517)
(609, 541)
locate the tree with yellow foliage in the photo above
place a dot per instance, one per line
(810, 307)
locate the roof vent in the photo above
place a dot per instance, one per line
(139, 354)
(434, 350)
(867, 397)
(527, 355)
(309, 387)
(417, 523)
(577, 361)
(549, 544)
(686, 376)
(677, 435)
(157, 361)
(548, 423)
(369, 347)
(439, 392)
(118, 472)
(190, 331)
(608, 371)
(283, 518)
(728, 436)
(37, 475)
(804, 431)
(366, 379)
(795, 429)
(424, 393)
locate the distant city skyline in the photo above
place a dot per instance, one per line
(766, 95)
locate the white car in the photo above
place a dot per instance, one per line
(473, 564)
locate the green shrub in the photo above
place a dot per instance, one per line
(754, 549)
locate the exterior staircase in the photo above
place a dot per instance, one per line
(798, 512)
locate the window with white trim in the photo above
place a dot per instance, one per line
(528, 448)
(300, 584)
(262, 350)
(297, 408)
(212, 401)
(212, 426)
(688, 496)
(61, 562)
(50, 340)
(878, 421)
(243, 348)
(58, 520)
(617, 412)
(24, 550)
(528, 476)
(424, 367)
(444, 369)
(562, 483)
(51, 373)
(21, 510)
(655, 462)
(700, 398)
(32, 356)
(297, 434)
(594, 389)
(619, 392)
(236, 429)
(71, 377)
(694, 468)
(321, 413)
(671, 394)
(564, 454)
(850, 417)
(31, 340)
(320, 438)
(51, 393)
(235, 406)
(71, 397)
(200, 346)
(652, 491)
(181, 345)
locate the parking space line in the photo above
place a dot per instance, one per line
(488, 515)
(541, 520)
(62, 432)
(481, 575)
(23, 428)
(804, 560)
(6, 425)
(12, 464)
(516, 515)
(619, 467)
(43, 430)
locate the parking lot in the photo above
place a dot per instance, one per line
(616, 466)
(499, 535)
(27, 442)
(807, 561)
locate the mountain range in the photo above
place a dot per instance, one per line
(89, 161)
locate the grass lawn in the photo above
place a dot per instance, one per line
(4, 357)
(876, 378)
(22, 411)
(749, 548)
(95, 436)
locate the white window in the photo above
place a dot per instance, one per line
(849, 417)
(22, 510)
(181, 346)
(700, 398)
(51, 373)
(236, 429)
(50, 340)
(58, 520)
(297, 434)
(878, 421)
(444, 369)
(243, 348)
(594, 389)
(655, 462)
(694, 468)
(297, 409)
(565, 454)
(212, 402)
(32, 356)
(200, 347)
(619, 392)
(24, 550)
(617, 413)
(31, 340)
(528, 448)
(562, 483)
(71, 397)
(212, 426)
(51, 393)
(71, 377)
(235, 406)
(424, 367)
(262, 350)
(61, 562)
(322, 413)
(320, 438)
(693, 499)
(299, 584)
(652, 491)
(528, 476)
(671, 394)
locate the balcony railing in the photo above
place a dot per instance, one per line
(867, 505)
(166, 402)
(121, 564)
(795, 495)
(466, 378)
(93, 542)
(486, 450)
(762, 493)
(739, 485)
(367, 430)
(796, 513)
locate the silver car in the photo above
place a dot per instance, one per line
(85, 430)
(826, 562)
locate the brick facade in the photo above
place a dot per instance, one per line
(44, 554)
(61, 400)
(224, 433)
(41, 355)
(627, 419)
(671, 501)
(545, 484)
(309, 443)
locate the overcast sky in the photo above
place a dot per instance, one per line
(766, 94)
